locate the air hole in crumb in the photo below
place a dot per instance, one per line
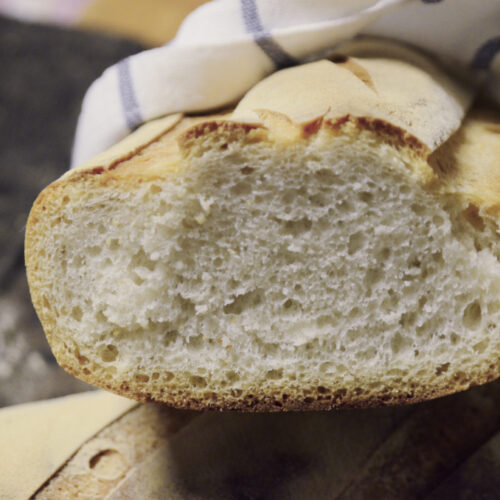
(195, 342)
(367, 354)
(472, 316)
(169, 376)
(155, 189)
(137, 279)
(187, 305)
(471, 214)
(415, 262)
(141, 259)
(76, 313)
(114, 244)
(318, 200)
(327, 177)
(353, 335)
(397, 343)
(297, 227)
(373, 276)
(325, 321)
(197, 381)
(288, 197)
(274, 374)
(442, 368)
(100, 316)
(438, 257)
(232, 376)
(163, 207)
(141, 378)
(354, 313)
(243, 301)
(437, 220)
(494, 307)
(408, 319)
(325, 367)
(417, 209)
(356, 242)
(155, 376)
(480, 347)
(290, 304)
(109, 353)
(241, 188)
(65, 200)
(366, 196)
(83, 360)
(246, 170)
(189, 224)
(233, 284)
(170, 337)
(345, 206)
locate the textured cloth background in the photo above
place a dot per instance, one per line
(226, 46)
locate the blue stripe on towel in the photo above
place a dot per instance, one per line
(262, 37)
(486, 53)
(130, 104)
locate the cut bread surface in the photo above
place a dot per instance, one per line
(269, 266)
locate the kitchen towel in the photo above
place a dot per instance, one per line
(226, 46)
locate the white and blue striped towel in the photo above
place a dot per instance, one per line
(226, 46)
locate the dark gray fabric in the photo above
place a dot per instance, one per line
(44, 74)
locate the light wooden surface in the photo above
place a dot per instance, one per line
(151, 22)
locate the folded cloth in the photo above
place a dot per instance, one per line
(226, 46)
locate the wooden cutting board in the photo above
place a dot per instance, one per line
(447, 448)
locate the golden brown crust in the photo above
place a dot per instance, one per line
(293, 398)
(467, 164)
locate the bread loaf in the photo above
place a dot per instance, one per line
(331, 242)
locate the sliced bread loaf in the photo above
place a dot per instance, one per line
(331, 242)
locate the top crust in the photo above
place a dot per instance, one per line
(415, 99)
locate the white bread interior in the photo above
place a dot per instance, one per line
(332, 247)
